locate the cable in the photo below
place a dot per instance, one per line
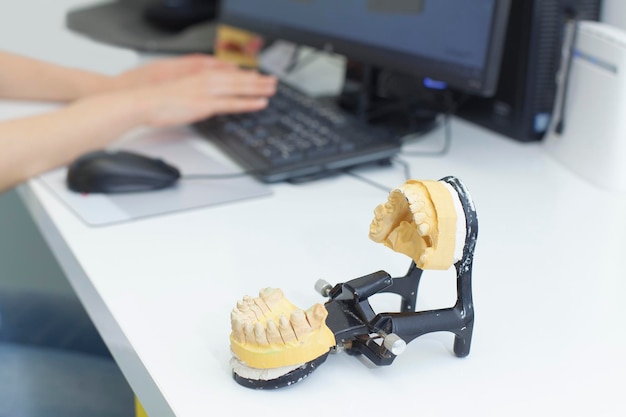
(405, 166)
(367, 180)
(293, 59)
(223, 176)
(445, 123)
(447, 140)
(297, 62)
(571, 38)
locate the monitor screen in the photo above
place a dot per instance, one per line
(447, 43)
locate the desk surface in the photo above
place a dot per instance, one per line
(549, 336)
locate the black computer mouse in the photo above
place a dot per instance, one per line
(119, 172)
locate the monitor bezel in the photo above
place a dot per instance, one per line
(419, 66)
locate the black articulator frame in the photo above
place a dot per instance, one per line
(381, 337)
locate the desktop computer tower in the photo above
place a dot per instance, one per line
(522, 105)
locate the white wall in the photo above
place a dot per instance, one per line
(614, 13)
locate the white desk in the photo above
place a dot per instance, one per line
(549, 337)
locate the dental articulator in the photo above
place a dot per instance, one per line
(275, 344)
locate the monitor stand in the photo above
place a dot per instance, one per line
(124, 23)
(390, 100)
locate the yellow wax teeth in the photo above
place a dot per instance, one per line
(419, 219)
(270, 332)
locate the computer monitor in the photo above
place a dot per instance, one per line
(447, 44)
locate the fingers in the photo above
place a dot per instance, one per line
(171, 69)
(170, 108)
(228, 105)
(189, 64)
(238, 91)
(184, 113)
(207, 94)
(240, 83)
(215, 76)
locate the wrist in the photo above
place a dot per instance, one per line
(122, 110)
(92, 83)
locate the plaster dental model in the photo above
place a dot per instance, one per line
(275, 344)
(421, 220)
(272, 338)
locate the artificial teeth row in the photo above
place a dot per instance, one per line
(263, 320)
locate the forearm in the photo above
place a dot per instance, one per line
(30, 79)
(33, 145)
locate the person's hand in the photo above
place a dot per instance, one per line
(166, 70)
(101, 108)
(203, 94)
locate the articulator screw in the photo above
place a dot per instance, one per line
(394, 343)
(323, 287)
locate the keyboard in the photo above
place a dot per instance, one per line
(297, 137)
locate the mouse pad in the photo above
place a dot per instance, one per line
(105, 209)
